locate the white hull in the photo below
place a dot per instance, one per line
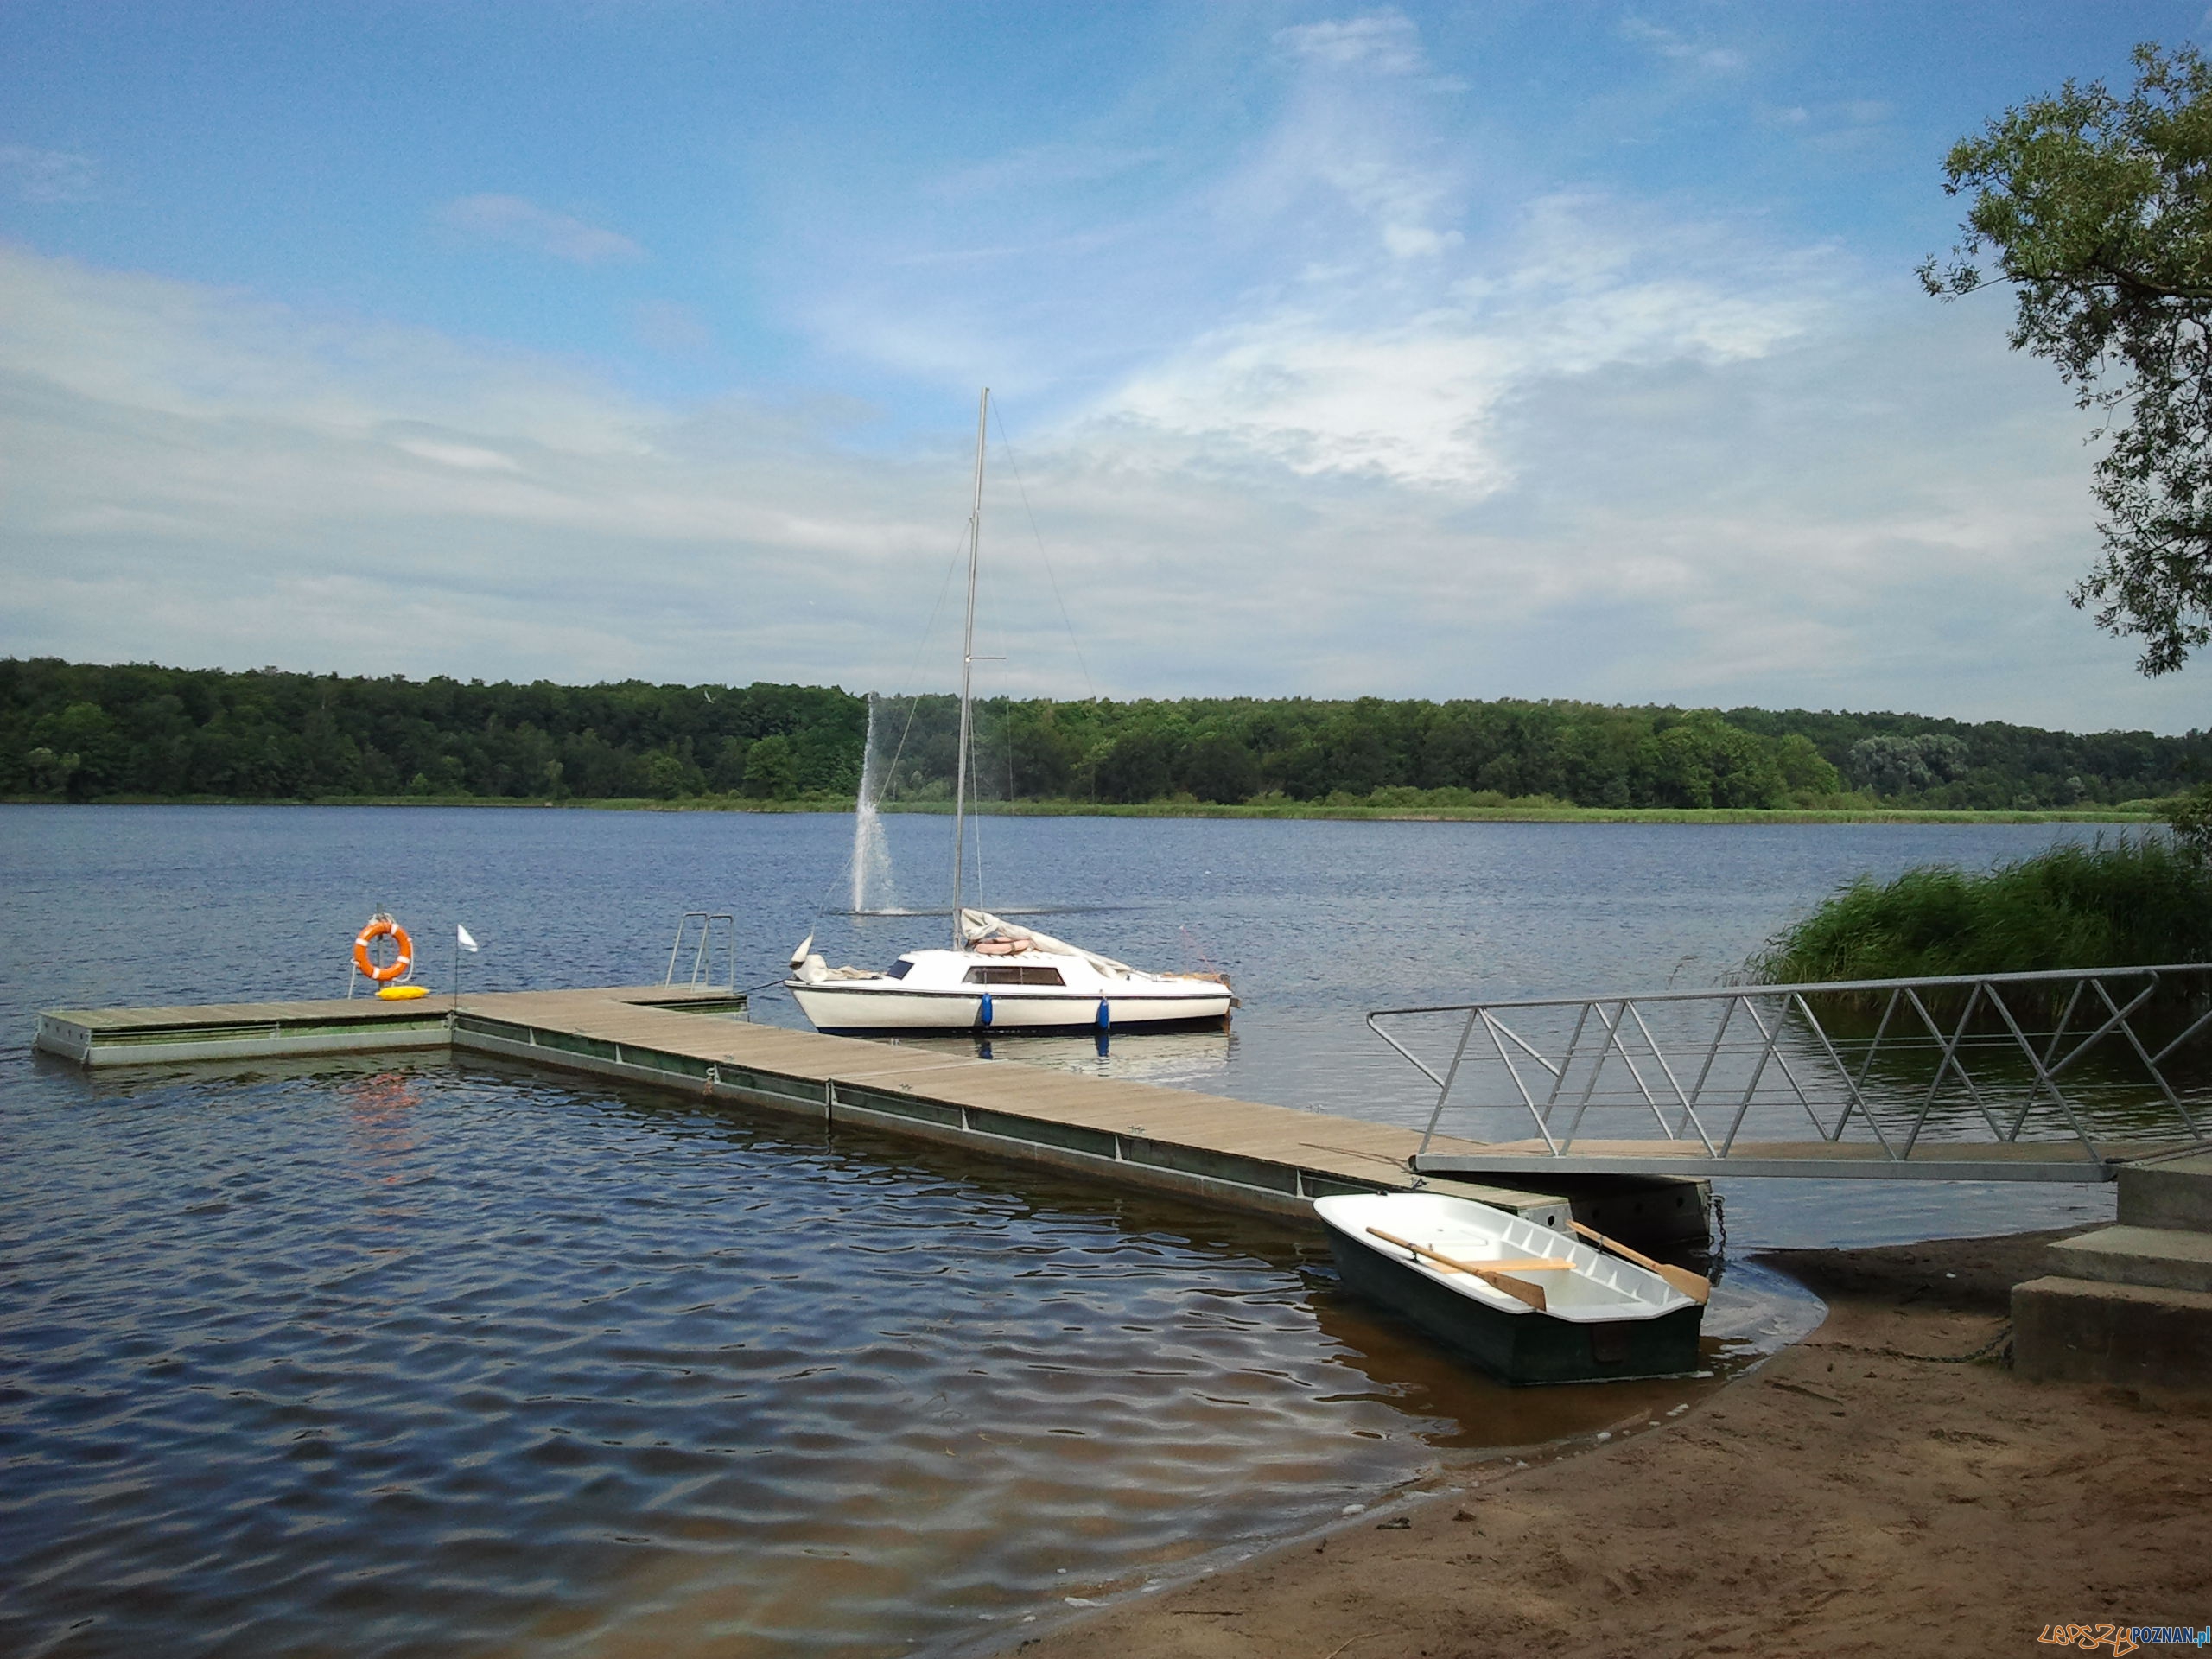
(891, 1007)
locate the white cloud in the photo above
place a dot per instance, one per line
(1678, 48)
(523, 224)
(468, 457)
(1374, 152)
(1385, 43)
(1071, 262)
(1369, 366)
(1355, 294)
(1358, 412)
(48, 175)
(1045, 166)
(1408, 405)
(672, 329)
(1883, 514)
(197, 476)
(125, 341)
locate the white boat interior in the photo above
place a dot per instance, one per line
(1001, 977)
(1593, 1288)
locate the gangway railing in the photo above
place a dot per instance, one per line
(702, 954)
(2045, 1077)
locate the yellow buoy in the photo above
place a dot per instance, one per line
(403, 992)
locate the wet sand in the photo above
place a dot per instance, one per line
(1843, 1498)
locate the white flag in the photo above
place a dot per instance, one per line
(467, 943)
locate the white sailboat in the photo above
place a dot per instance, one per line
(996, 976)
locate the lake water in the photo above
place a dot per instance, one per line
(461, 1359)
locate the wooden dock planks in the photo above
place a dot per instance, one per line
(1240, 1152)
(1369, 1153)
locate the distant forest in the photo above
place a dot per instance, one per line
(86, 733)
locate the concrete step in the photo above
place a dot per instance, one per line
(2164, 1258)
(2176, 1193)
(2084, 1330)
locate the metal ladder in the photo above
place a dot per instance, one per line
(703, 953)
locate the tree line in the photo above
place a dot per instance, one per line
(87, 732)
(82, 732)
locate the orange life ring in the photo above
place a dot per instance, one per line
(379, 926)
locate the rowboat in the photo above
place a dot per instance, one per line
(1526, 1302)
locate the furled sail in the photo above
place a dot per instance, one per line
(979, 925)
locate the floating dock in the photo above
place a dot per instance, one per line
(1239, 1153)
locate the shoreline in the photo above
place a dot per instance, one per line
(1865, 1489)
(1348, 814)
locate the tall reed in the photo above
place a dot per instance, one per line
(2136, 901)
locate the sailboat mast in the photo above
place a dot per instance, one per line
(968, 674)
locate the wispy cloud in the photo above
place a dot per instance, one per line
(1415, 318)
(523, 224)
(1385, 43)
(200, 476)
(1358, 375)
(48, 175)
(1044, 166)
(981, 276)
(672, 329)
(1340, 401)
(1679, 48)
(1820, 517)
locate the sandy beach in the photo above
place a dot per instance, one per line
(1859, 1493)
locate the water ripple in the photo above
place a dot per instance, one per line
(464, 1360)
(304, 1359)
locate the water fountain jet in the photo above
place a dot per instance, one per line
(871, 856)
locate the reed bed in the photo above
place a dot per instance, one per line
(2131, 901)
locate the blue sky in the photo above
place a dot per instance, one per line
(1476, 350)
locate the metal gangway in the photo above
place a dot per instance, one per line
(2028, 1077)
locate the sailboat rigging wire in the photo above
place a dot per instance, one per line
(976, 806)
(921, 644)
(987, 613)
(1051, 575)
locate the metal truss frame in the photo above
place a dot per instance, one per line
(1769, 1046)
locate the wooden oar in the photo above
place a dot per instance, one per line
(1694, 1286)
(1519, 1288)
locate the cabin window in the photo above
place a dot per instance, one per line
(898, 970)
(1013, 976)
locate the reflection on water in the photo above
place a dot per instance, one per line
(1179, 1060)
(1753, 1312)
